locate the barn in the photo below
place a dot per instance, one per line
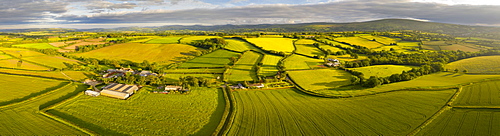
(121, 91)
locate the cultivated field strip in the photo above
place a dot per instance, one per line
(465, 122)
(288, 112)
(269, 63)
(244, 69)
(217, 58)
(480, 94)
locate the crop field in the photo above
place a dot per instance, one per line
(305, 46)
(437, 80)
(165, 40)
(239, 45)
(189, 39)
(269, 63)
(156, 114)
(137, 52)
(36, 46)
(360, 42)
(52, 61)
(175, 77)
(480, 94)
(380, 39)
(75, 75)
(14, 87)
(244, 70)
(329, 47)
(24, 118)
(217, 58)
(320, 79)
(462, 122)
(482, 64)
(57, 44)
(275, 44)
(297, 62)
(4, 56)
(288, 112)
(382, 70)
(16, 52)
(12, 63)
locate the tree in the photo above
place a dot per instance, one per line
(355, 80)
(465, 71)
(373, 81)
(456, 70)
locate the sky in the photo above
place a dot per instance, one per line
(85, 14)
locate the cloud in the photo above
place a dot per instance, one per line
(23, 11)
(100, 5)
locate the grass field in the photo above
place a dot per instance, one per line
(217, 58)
(269, 63)
(380, 39)
(305, 46)
(14, 87)
(437, 80)
(24, 118)
(244, 69)
(175, 77)
(288, 112)
(480, 94)
(275, 44)
(239, 45)
(52, 61)
(337, 43)
(189, 39)
(75, 75)
(331, 48)
(202, 70)
(482, 64)
(137, 52)
(146, 113)
(320, 79)
(359, 41)
(296, 62)
(16, 52)
(83, 43)
(165, 40)
(36, 46)
(382, 70)
(462, 122)
(12, 63)
(444, 45)
(4, 56)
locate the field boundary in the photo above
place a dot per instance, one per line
(227, 123)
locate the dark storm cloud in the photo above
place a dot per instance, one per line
(23, 11)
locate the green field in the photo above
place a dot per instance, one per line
(51, 61)
(14, 87)
(24, 118)
(244, 70)
(320, 79)
(360, 42)
(382, 70)
(436, 80)
(480, 94)
(275, 44)
(337, 43)
(482, 64)
(465, 122)
(16, 52)
(202, 70)
(329, 47)
(217, 58)
(36, 46)
(145, 113)
(380, 39)
(444, 45)
(269, 63)
(165, 40)
(175, 77)
(75, 75)
(189, 39)
(305, 46)
(296, 62)
(288, 112)
(137, 52)
(239, 45)
(4, 56)
(12, 63)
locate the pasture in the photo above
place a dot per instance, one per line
(189, 39)
(480, 94)
(165, 40)
(239, 45)
(4, 56)
(334, 43)
(137, 52)
(156, 114)
(298, 62)
(436, 80)
(36, 46)
(269, 63)
(360, 42)
(218, 58)
(329, 47)
(201, 70)
(380, 39)
(481, 64)
(244, 69)
(51, 61)
(462, 122)
(75, 75)
(444, 45)
(274, 44)
(320, 79)
(16, 87)
(173, 78)
(13, 63)
(84, 43)
(306, 47)
(289, 112)
(16, 52)
(25, 118)
(382, 70)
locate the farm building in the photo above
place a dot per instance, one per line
(92, 93)
(121, 91)
(169, 88)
